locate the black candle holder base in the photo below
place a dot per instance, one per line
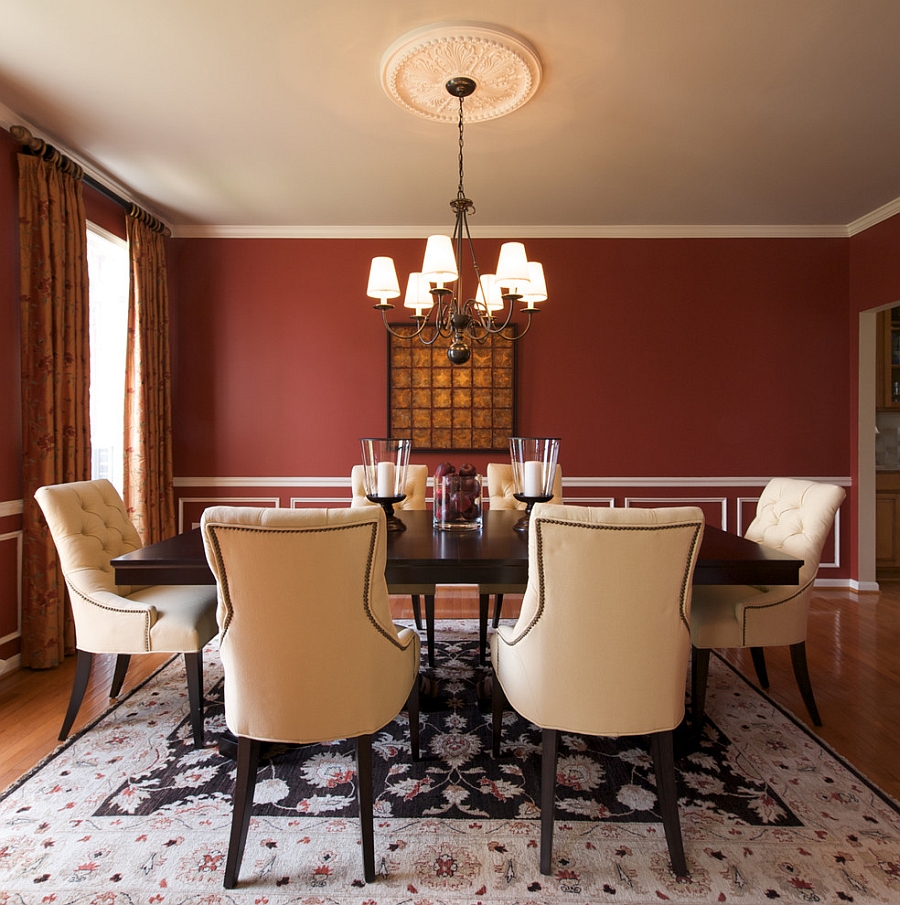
(522, 524)
(387, 504)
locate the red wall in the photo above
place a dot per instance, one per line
(667, 357)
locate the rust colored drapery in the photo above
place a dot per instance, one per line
(149, 493)
(56, 435)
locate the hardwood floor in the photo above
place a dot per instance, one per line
(854, 660)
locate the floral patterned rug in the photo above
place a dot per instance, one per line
(128, 811)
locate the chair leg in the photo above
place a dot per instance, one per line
(241, 806)
(759, 664)
(801, 672)
(483, 601)
(662, 748)
(82, 673)
(429, 627)
(364, 793)
(122, 661)
(549, 747)
(193, 665)
(498, 701)
(699, 678)
(412, 711)
(498, 605)
(417, 611)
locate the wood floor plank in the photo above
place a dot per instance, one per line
(854, 661)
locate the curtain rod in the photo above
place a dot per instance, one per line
(40, 148)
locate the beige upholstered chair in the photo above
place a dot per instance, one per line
(416, 487)
(501, 490)
(416, 498)
(308, 647)
(794, 517)
(90, 526)
(601, 645)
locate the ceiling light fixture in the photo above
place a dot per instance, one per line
(442, 310)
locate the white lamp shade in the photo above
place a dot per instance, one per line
(383, 282)
(488, 298)
(418, 293)
(512, 268)
(440, 262)
(537, 290)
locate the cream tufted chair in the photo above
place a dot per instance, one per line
(416, 498)
(601, 645)
(502, 489)
(89, 525)
(794, 517)
(308, 647)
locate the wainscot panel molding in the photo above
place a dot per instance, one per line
(724, 500)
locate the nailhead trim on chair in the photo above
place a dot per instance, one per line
(125, 611)
(541, 522)
(322, 530)
(766, 606)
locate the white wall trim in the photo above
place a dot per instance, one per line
(11, 507)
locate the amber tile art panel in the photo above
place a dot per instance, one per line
(439, 405)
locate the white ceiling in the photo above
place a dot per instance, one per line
(652, 116)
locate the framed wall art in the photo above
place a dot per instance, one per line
(442, 406)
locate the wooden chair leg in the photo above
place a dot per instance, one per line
(429, 627)
(364, 793)
(412, 711)
(662, 748)
(193, 665)
(122, 661)
(759, 664)
(241, 806)
(498, 701)
(801, 673)
(498, 605)
(549, 747)
(483, 601)
(699, 678)
(82, 673)
(417, 611)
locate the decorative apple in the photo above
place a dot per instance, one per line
(457, 495)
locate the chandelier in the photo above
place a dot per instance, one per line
(443, 304)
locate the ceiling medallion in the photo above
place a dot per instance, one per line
(416, 67)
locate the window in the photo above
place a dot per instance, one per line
(108, 275)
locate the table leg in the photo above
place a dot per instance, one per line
(429, 626)
(483, 601)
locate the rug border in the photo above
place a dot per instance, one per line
(888, 799)
(74, 737)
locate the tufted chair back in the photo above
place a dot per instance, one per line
(502, 487)
(90, 527)
(792, 516)
(416, 487)
(795, 517)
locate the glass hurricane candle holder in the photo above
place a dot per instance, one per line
(385, 461)
(534, 470)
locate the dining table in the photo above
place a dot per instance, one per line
(494, 555)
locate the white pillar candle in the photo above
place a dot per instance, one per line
(532, 483)
(386, 479)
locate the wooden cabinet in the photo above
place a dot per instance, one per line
(887, 361)
(887, 525)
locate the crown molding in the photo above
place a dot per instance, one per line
(877, 216)
(195, 231)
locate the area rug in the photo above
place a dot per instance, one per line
(128, 812)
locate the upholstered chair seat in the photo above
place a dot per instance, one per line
(90, 527)
(602, 641)
(794, 517)
(309, 651)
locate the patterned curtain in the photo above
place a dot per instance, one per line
(149, 493)
(56, 433)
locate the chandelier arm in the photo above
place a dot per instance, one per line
(422, 322)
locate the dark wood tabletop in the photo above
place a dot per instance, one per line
(494, 555)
